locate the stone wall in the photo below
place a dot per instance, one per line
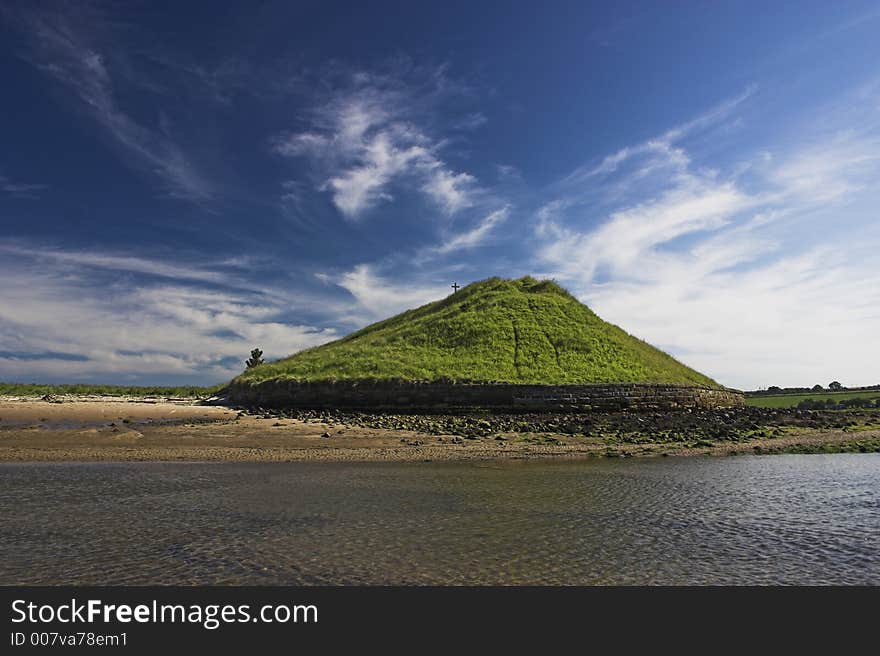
(397, 395)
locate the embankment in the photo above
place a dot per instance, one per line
(398, 395)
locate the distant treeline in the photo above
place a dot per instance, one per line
(35, 389)
(773, 390)
(842, 404)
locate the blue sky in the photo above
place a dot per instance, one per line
(180, 182)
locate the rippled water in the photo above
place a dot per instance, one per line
(780, 519)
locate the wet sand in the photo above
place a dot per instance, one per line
(120, 430)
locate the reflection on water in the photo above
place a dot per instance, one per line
(779, 519)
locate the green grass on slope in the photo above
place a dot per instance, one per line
(517, 331)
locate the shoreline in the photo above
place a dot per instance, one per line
(138, 430)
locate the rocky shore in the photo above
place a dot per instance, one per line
(114, 430)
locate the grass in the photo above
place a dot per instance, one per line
(37, 390)
(867, 445)
(792, 400)
(496, 330)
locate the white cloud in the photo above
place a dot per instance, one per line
(168, 328)
(799, 321)
(725, 271)
(830, 170)
(382, 158)
(632, 235)
(380, 297)
(363, 141)
(451, 191)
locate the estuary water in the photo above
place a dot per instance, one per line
(741, 520)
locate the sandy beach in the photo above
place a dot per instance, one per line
(119, 430)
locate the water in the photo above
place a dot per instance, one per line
(744, 520)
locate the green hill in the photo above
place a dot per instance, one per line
(496, 330)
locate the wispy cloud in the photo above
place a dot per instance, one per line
(628, 239)
(378, 297)
(475, 236)
(364, 138)
(838, 166)
(126, 263)
(472, 121)
(661, 149)
(169, 328)
(20, 189)
(222, 81)
(64, 52)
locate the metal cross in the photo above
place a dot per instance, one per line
(455, 287)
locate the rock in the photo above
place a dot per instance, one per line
(325, 434)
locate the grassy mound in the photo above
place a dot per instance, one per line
(514, 331)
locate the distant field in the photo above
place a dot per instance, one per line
(26, 389)
(791, 400)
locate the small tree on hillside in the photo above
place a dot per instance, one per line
(255, 359)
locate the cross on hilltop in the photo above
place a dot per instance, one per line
(455, 287)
